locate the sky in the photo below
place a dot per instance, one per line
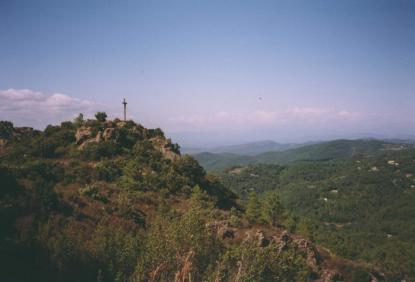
(214, 72)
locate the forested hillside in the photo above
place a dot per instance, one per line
(101, 200)
(338, 149)
(250, 149)
(361, 208)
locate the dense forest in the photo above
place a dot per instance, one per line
(360, 208)
(108, 200)
(336, 149)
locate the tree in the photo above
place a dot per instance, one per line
(6, 129)
(8, 182)
(253, 212)
(79, 120)
(200, 200)
(101, 116)
(305, 228)
(45, 196)
(272, 210)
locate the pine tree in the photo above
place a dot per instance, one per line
(101, 116)
(272, 210)
(79, 120)
(253, 211)
(305, 228)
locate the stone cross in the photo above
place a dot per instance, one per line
(125, 109)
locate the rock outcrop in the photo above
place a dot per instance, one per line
(164, 146)
(109, 134)
(262, 241)
(3, 142)
(285, 241)
(83, 134)
(313, 257)
(331, 275)
(222, 229)
(111, 131)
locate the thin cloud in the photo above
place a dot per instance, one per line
(34, 108)
(296, 115)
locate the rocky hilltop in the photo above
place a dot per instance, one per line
(115, 131)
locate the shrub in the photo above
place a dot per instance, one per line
(41, 169)
(108, 170)
(45, 196)
(272, 210)
(6, 129)
(101, 116)
(253, 210)
(90, 191)
(8, 182)
(98, 151)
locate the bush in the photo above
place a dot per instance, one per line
(253, 209)
(42, 169)
(78, 172)
(272, 210)
(97, 151)
(101, 116)
(250, 263)
(6, 129)
(174, 241)
(108, 170)
(8, 182)
(54, 142)
(90, 191)
(45, 196)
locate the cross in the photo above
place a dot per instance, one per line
(125, 109)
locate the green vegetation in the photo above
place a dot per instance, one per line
(360, 208)
(338, 149)
(100, 200)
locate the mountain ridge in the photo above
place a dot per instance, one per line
(249, 148)
(342, 148)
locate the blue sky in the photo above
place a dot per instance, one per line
(214, 71)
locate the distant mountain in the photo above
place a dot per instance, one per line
(217, 162)
(249, 149)
(401, 141)
(336, 149)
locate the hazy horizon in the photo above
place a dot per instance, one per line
(214, 73)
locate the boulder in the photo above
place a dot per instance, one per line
(313, 258)
(82, 134)
(222, 229)
(330, 275)
(109, 134)
(283, 241)
(162, 145)
(262, 240)
(121, 124)
(98, 138)
(3, 142)
(226, 233)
